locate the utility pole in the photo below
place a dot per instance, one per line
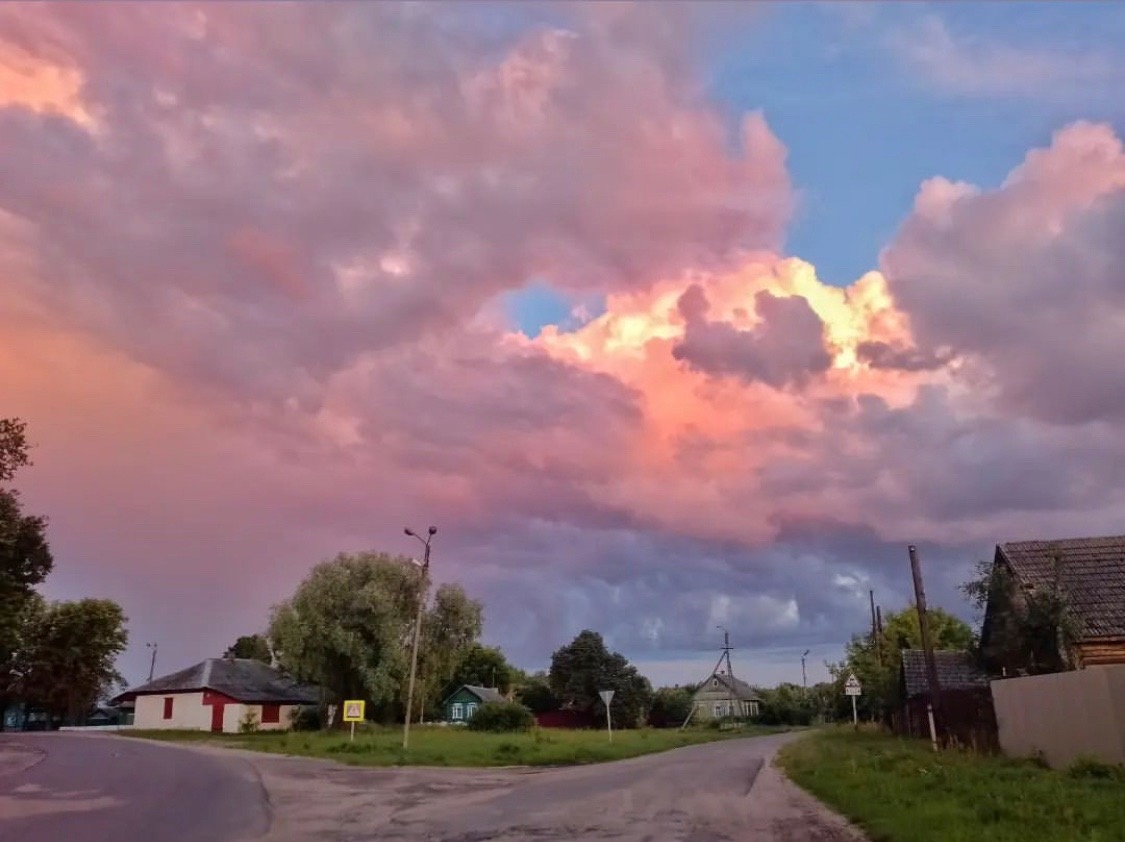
(804, 676)
(927, 641)
(875, 642)
(730, 672)
(417, 628)
(152, 663)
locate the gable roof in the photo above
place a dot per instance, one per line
(956, 671)
(485, 694)
(1091, 574)
(242, 679)
(741, 690)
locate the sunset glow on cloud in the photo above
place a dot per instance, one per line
(251, 301)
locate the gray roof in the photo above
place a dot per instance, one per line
(485, 694)
(742, 691)
(956, 671)
(1091, 574)
(243, 679)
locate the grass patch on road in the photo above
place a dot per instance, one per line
(901, 791)
(445, 746)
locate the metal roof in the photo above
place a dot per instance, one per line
(242, 679)
(956, 671)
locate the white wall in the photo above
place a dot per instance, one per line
(188, 712)
(232, 717)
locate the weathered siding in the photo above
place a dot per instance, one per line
(1101, 651)
(707, 697)
(1063, 715)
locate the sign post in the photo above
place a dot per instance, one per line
(853, 689)
(353, 713)
(607, 697)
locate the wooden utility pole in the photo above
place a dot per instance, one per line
(875, 642)
(730, 675)
(927, 641)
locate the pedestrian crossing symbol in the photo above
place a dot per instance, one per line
(353, 710)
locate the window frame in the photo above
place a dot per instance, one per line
(457, 712)
(169, 707)
(273, 717)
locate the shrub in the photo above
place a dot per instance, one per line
(249, 722)
(502, 716)
(306, 718)
(1091, 767)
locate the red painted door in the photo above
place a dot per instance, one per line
(217, 716)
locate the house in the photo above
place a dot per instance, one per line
(724, 695)
(219, 694)
(1089, 575)
(965, 704)
(463, 703)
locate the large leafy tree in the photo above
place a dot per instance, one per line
(484, 666)
(253, 646)
(350, 624)
(877, 661)
(671, 706)
(585, 666)
(67, 660)
(25, 557)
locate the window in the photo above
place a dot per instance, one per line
(753, 708)
(457, 712)
(718, 710)
(168, 707)
(271, 714)
(714, 682)
(470, 709)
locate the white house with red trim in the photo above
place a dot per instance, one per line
(217, 695)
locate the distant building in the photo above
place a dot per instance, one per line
(463, 703)
(218, 694)
(724, 695)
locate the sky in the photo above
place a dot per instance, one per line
(668, 316)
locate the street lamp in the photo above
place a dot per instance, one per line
(152, 664)
(430, 533)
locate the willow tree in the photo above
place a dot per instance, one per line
(349, 626)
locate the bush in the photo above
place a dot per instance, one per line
(249, 722)
(306, 718)
(502, 716)
(1091, 767)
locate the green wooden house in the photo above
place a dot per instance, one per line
(462, 704)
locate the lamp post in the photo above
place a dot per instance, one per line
(152, 664)
(430, 533)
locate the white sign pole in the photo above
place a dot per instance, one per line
(855, 715)
(353, 730)
(607, 697)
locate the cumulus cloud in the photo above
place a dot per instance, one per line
(785, 347)
(250, 281)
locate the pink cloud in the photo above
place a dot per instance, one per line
(248, 309)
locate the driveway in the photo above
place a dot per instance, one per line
(63, 787)
(718, 791)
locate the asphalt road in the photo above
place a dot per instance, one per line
(62, 787)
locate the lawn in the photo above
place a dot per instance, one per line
(445, 746)
(901, 791)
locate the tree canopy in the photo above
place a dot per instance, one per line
(253, 646)
(877, 662)
(585, 666)
(25, 556)
(66, 662)
(350, 624)
(484, 666)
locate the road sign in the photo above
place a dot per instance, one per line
(852, 687)
(607, 697)
(353, 710)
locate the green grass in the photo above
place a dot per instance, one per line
(443, 746)
(901, 791)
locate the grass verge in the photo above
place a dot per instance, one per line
(901, 791)
(443, 746)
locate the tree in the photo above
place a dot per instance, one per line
(67, 662)
(671, 706)
(253, 646)
(584, 667)
(350, 624)
(786, 704)
(484, 666)
(535, 694)
(877, 663)
(25, 557)
(1030, 629)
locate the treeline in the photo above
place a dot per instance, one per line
(57, 657)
